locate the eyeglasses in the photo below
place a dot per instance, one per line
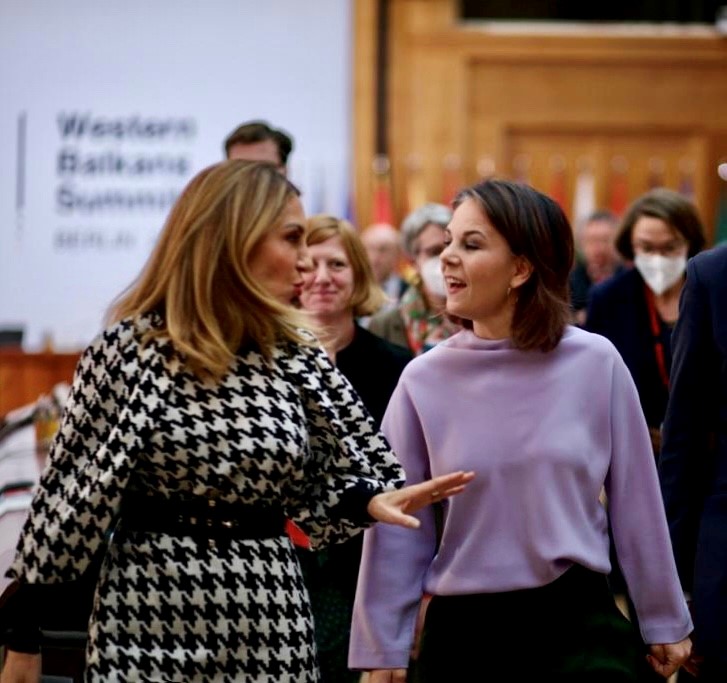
(673, 248)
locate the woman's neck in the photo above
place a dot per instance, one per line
(497, 326)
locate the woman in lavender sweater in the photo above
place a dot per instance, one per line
(548, 417)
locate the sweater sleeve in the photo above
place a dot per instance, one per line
(395, 560)
(638, 521)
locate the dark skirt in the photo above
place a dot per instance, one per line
(567, 631)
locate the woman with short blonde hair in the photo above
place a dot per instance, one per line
(367, 296)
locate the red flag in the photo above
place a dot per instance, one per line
(383, 211)
(383, 206)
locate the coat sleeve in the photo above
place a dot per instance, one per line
(348, 461)
(690, 421)
(78, 497)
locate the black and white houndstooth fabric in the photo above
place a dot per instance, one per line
(290, 433)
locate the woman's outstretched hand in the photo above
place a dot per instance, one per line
(396, 507)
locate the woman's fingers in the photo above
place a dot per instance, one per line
(444, 484)
(440, 487)
(395, 507)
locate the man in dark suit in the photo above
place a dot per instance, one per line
(693, 462)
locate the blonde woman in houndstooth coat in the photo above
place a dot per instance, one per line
(201, 419)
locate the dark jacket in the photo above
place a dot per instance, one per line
(373, 366)
(581, 284)
(618, 311)
(693, 463)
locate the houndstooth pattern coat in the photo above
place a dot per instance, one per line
(291, 432)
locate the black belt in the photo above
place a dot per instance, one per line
(201, 517)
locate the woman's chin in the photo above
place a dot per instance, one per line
(452, 308)
(326, 313)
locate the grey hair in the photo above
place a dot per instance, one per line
(415, 222)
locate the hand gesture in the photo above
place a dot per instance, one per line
(665, 659)
(396, 507)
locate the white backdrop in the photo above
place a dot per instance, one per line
(108, 108)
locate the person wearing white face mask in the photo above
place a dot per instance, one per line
(637, 309)
(661, 272)
(418, 322)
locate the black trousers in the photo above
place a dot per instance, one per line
(569, 631)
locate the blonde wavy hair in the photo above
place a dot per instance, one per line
(367, 297)
(197, 277)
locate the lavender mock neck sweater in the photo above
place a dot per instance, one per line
(545, 434)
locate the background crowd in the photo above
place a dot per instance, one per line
(566, 386)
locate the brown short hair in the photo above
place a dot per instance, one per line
(535, 228)
(671, 207)
(259, 131)
(367, 297)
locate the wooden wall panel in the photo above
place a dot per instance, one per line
(650, 159)
(25, 376)
(487, 97)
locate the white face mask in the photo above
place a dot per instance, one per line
(432, 277)
(660, 272)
